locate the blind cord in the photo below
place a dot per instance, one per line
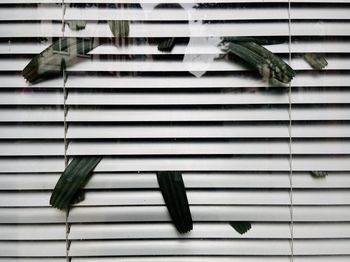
(290, 136)
(65, 109)
(65, 125)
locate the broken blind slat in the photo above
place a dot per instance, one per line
(227, 131)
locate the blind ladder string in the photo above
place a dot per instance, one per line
(290, 136)
(65, 111)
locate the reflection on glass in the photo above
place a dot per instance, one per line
(61, 54)
(60, 45)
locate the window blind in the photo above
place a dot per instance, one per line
(245, 148)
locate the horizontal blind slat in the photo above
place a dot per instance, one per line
(166, 231)
(174, 148)
(181, 30)
(23, 215)
(192, 180)
(145, 198)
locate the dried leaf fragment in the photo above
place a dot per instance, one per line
(316, 61)
(319, 174)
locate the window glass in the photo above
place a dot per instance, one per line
(177, 131)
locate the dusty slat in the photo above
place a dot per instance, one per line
(208, 230)
(199, 180)
(222, 247)
(30, 232)
(339, 258)
(190, 13)
(193, 131)
(300, 46)
(204, 197)
(165, 115)
(311, 79)
(229, 98)
(181, 30)
(215, 213)
(24, 215)
(32, 249)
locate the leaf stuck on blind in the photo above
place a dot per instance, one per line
(79, 197)
(76, 25)
(174, 194)
(241, 227)
(268, 64)
(316, 61)
(319, 174)
(257, 40)
(119, 28)
(75, 176)
(167, 44)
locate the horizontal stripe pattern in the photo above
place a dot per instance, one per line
(226, 131)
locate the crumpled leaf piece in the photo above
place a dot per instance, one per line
(76, 25)
(73, 179)
(241, 227)
(268, 64)
(316, 61)
(174, 194)
(119, 28)
(319, 174)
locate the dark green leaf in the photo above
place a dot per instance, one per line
(319, 174)
(247, 55)
(241, 226)
(269, 65)
(316, 61)
(79, 197)
(277, 68)
(72, 181)
(166, 45)
(174, 194)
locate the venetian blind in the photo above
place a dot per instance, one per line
(245, 148)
